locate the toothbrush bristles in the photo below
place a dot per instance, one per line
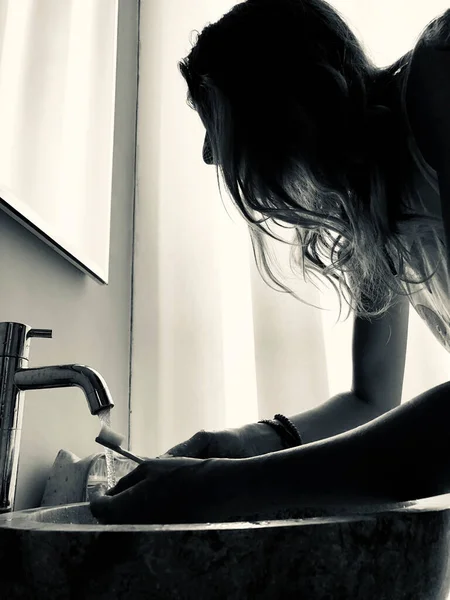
(111, 436)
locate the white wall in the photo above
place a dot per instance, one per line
(90, 322)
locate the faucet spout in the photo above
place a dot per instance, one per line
(58, 376)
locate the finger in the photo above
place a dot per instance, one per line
(132, 478)
(193, 447)
(129, 507)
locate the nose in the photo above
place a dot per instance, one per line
(207, 152)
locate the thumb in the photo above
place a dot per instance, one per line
(194, 447)
(100, 506)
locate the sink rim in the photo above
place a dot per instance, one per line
(21, 519)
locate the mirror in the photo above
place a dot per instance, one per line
(57, 101)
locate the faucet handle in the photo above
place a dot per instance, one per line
(40, 333)
(15, 340)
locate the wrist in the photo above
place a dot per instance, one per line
(236, 488)
(267, 439)
(247, 490)
(286, 429)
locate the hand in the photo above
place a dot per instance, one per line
(428, 92)
(170, 490)
(250, 440)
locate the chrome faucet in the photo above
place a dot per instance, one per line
(16, 378)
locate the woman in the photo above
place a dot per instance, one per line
(309, 134)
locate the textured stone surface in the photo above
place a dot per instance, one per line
(386, 552)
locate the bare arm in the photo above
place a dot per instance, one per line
(379, 350)
(378, 365)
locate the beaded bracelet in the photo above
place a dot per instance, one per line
(287, 430)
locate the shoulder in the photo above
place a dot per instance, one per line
(428, 91)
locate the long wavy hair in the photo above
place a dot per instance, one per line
(311, 136)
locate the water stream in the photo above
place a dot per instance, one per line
(105, 417)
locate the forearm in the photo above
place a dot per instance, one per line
(402, 455)
(340, 413)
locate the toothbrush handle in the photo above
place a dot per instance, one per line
(129, 455)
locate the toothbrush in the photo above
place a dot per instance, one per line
(110, 439)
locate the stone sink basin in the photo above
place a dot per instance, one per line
(382, 552)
